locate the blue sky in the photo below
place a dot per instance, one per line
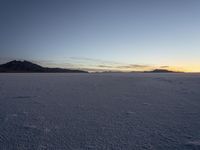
(122, 35)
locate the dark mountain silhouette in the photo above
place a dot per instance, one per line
(26, 66)
(161, 71)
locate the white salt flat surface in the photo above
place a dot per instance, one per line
(100, 111)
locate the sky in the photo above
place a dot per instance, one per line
(99, 35)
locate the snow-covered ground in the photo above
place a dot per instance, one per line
(100, 111)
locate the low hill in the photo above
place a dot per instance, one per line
(161, 71)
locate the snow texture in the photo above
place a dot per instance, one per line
(108, 111)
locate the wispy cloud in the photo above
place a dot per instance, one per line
(164, 67)
(104, 65)
(135, 66)
(127, 67)
(91, 60)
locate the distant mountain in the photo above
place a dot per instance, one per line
(161, 71)
(26, 66)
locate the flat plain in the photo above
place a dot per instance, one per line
(105, 111)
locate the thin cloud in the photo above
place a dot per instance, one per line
(99, 61)
(136, 66)
(164, 67)
(104, 65)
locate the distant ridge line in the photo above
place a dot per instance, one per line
(29, 67)
(162, 71)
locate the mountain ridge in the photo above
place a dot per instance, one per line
(16, 66)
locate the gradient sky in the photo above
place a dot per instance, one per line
(102, 34)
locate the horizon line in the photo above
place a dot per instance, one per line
(101, 66)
